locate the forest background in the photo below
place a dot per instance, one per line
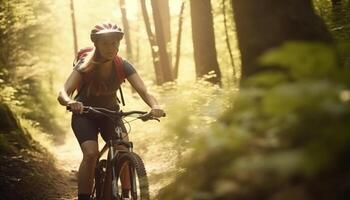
(256, 93)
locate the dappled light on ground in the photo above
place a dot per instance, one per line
(68, 155)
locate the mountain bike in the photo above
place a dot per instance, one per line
(109, 172)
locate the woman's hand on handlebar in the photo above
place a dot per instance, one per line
(157, 112)
(75, 106)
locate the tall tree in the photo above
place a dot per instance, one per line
(258, 30)
(138, 34)
(204, 40)
(162, 30)
(153, 44)
(75, 39)
(164, 12)
(126, 29)
(178, 42)
(227, 39)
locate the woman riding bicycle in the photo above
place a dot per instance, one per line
(97, 78)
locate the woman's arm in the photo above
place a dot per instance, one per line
(64, 94)
(137, 83)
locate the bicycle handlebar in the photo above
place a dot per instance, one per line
(144, 116)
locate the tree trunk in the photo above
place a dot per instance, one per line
(160, 20)
(126, 30)
(227, 39)
(166, 19)
(178, 42)
(138, 34)
(204, 40)
(75, 38)
(153, 43)
(262, 25)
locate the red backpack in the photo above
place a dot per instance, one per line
(119, 68)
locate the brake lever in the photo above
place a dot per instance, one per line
(85, 110)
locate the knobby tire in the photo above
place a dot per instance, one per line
(135, 165)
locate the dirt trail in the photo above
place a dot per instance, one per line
(32, 175)
(67, 160)
(28, 168)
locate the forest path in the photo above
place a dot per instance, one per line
(67, 159)
(32, 174)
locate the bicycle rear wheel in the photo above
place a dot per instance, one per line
(135, 179)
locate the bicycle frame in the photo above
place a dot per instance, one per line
(112, 157)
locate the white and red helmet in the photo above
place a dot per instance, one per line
(106, 28)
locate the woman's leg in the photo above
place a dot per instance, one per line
(87, 168)
(85, 130)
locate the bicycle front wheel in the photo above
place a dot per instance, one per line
(132, 177)
(100, 173)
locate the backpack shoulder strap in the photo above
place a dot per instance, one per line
(119, 66)
(120, 74)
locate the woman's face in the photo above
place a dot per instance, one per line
(107, 46)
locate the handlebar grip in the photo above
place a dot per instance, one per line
(68, 108)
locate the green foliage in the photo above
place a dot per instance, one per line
(25, 54)
(20, 33)
(277, 129)
(193, 114)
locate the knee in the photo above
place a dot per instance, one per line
(90, 156)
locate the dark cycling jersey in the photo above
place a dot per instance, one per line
(108, 97)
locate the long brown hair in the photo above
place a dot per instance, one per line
(90, 71)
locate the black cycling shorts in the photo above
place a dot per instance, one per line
(86, 127)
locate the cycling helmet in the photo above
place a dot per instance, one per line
(106, 28)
